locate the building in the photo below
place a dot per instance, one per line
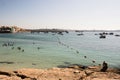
(5, 29)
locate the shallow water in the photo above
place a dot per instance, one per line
(48, 50)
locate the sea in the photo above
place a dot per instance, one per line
(47, 50)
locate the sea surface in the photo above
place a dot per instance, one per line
(47, 50)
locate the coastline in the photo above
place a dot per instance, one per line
(66, 73)
(70, 73)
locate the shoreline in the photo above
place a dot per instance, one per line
(69, 73)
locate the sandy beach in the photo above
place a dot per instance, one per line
(60, 40)
(70, 73)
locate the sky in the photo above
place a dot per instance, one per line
(61, 14)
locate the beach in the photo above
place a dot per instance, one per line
(60, 40)
(71, 73)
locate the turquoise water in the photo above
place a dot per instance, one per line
(48, 50)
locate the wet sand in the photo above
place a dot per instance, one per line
(70, 73)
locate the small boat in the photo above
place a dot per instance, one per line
(60, 33)
(111, 33)
(103, 33)
(96, 34)
(117, 35)
(80, 34)
(102, 36)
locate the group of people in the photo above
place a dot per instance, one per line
(11, 44)
(8, 44)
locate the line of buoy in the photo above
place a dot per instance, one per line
(77, 51)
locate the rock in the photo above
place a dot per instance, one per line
(59, 74)
(22, 76)
(6, 73)
(74, 67)
(76, 71)
(88, 72)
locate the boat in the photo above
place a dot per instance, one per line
(80, 34)
(111, 33)
(102, 36)
(117, 35)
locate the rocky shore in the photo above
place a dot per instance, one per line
(70, 73)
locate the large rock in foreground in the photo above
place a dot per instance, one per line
(59, 74)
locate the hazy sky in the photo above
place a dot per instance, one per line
(62, 14)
